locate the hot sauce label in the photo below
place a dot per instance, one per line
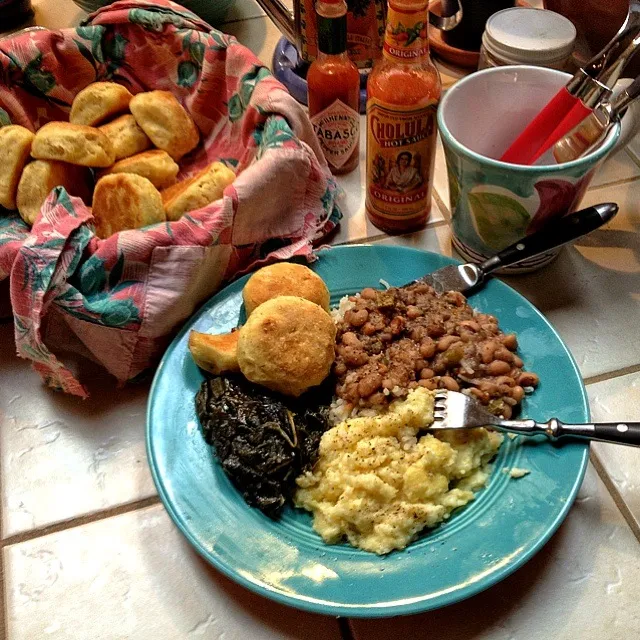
(399, 157)
(338, 130)
(406, 35)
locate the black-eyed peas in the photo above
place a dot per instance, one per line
(498, 368)
(395, 340)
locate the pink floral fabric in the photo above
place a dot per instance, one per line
(120, 300)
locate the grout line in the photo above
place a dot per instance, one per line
(615, 494)
(385, 236)
(345, 629)
(441, 205)
(615, 183)
(616, 373)
(365, 240)
(434, 225)
(633, 156)
(26, 536)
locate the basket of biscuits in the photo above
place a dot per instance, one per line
(146, 159)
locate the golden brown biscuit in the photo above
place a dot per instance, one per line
(196, 192)
(99, 101)
(73, 143)
(215, 353)
(125, 201)
(41, 176)
(166, 122)
(287, 345)
(126, 136)
(156, 166)
(15, 147)
(284, 279)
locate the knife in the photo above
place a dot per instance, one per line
(465, 277)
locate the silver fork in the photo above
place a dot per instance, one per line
(455, 410)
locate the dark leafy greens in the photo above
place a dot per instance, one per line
(263, 440)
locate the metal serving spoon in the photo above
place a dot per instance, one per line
(468, 276)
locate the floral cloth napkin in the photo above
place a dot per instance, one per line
(119, 300)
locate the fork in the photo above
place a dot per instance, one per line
(454, 410)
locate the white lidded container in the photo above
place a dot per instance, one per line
(523, 35)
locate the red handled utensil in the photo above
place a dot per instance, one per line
(575, 101)
(595, 127)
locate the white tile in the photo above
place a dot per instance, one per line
(613, 401)
(62, 457)
(242, 10)
(258, 34)
(618, 167)
(591, 292)
(634, 146)
(435, 239)
(582, 584)
(135, 577)
(449, 74)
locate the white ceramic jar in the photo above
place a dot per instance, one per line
(522, 35)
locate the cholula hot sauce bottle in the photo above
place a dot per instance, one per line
(333, 85)
(402, 98)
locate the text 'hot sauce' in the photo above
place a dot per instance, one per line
(402, 98)
(333, 83)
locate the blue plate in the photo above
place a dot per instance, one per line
(286, 560)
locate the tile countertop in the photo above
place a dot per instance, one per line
(88, 551)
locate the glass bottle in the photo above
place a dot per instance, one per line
(333, 83)
(402, 98)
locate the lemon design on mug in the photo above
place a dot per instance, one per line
(499, 220)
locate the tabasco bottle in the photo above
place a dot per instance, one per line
(333, 83)
(402, 97)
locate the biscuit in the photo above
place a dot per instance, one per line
(198, 191)
(287, 345)
(15, 147)
(284, 279)
(215, 353)
(41, 176)
(73, 143)
(125, 201)
(166, 122)
(126, 136)
(156, 166)
(99, 101)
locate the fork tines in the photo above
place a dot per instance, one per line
(440, 405)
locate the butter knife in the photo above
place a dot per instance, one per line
(465, 277)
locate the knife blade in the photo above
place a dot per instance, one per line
(466, 277)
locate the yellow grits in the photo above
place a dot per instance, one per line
(378, 483)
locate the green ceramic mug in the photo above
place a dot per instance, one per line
(493, 203)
